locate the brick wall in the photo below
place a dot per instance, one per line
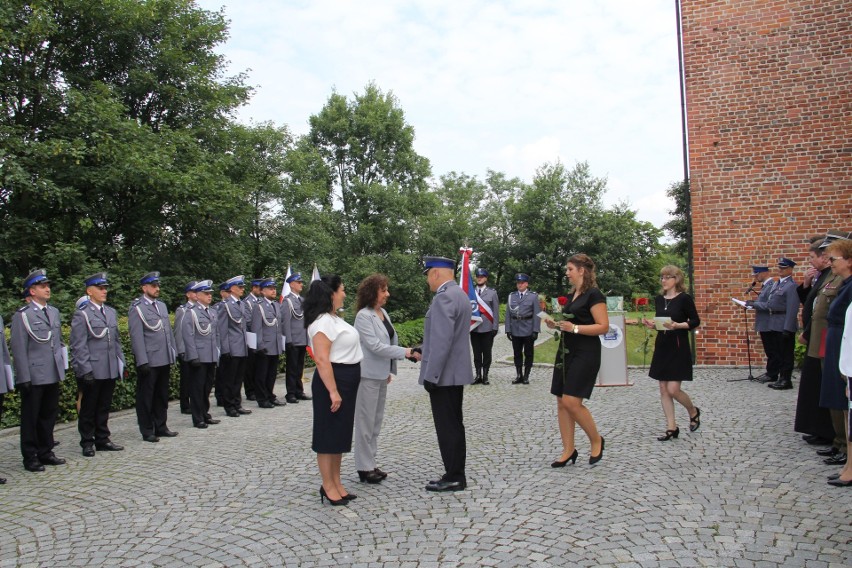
(769, 112)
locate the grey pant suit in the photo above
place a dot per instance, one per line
(380, 355)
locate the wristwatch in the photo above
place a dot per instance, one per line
(576, 329)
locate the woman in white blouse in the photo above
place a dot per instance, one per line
(337, 353)
(380, 344)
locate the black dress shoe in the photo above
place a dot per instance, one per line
(380, 472)
(447, 486)
(201, 425)
(167, 433)
(33, 466)
(51, 459)
(781, 385)
(817, 441)
(185, 411)
(251, 397)
(232, 413)
(55, 443)
(150, 438)
(277, 402)
(89, 452)
(827, 452)
(518, 381)
(265, 404)
(839, 459)
(212, 421)
(291, 398)
(766, 379)
(369, 476)
(242, 410)
(109, 447)
(2, 481)
(303, 396)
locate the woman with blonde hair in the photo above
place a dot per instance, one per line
(672, 361)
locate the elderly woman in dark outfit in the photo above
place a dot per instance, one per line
(672, 361)
(579, 358)
(380, 345)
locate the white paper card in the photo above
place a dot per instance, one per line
(10, 378)
(282, 341)
(120, 368)
(658, 323)
(65, 356)
(741, 304)
(251, 340)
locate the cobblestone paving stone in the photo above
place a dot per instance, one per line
(742, 491)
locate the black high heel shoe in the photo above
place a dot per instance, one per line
(572, 458)
(324, 496)
(370, 476)
(669, 435)
(695, 421)
(349, 497)
(595, 459)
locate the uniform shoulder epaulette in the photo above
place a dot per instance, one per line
(23, 308)
(82, 307)
(135, 302)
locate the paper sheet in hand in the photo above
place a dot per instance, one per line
(658, 323)
(741, 304)
(545, 316)
(251, 340)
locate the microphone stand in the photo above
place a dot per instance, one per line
(750, 376)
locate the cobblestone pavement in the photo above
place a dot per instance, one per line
(744, 490)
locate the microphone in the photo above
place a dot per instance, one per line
(751, 288)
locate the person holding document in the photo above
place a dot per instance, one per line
(672, 362)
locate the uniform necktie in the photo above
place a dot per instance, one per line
(155, 307)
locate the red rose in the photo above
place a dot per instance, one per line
(642, 301)
(562, 300)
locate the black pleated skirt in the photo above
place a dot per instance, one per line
(333, 430)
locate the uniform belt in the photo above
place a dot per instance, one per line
(773, 312)
(523, 318)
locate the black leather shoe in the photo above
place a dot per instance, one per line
(212, 421)
(167, 433)
(186, 412)
(55, 443)
(817, 441)
(447, 486)
(291, 398)
(485, 381)
(233, 413)
(89, 452)
(251, 397)
(150, 438)
(2, 481)
(303, 396)
(380, 472)
(369, 476)
(766, 379)
(828, 452)
(242, 410)
(277, 402)
(201, 425)
(51, 459)
(265, 404)
(33, 466)
(109, 447)
(781, 385)
(839, 459)
(518, 381)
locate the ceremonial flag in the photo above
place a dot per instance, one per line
(315, 275)
(285, 287)
(466, 283)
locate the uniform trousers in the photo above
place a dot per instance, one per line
(95, 402)
(265, 372)
(523, 350)
(39, 409)
(369, 414)
(248, 374)
(229, 381)
(152, 399)
(183, 371)
(786, 345)
(447, 412)
(770, 348)
(482, 343)
(295, 368)
(200, 385)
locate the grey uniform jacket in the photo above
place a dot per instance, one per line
(522, 314)
(151, 337)
(446, 338)
(201, 334)
(380, 351)
(95, 345)
(489, 296)
(37, 345)
(233, 325)
(292, 320)
(7, 377)
(179, 313)
(761, 306)
(784, 307)
(267, 325)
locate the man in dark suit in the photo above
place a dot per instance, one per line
(445, 368)
(40, 362)
(154, 349)
(98, 363)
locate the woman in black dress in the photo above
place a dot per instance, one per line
(579, 358)
(672, 361)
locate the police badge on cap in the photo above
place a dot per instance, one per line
(150, 278)
(521, 277)
(785, 262)
(35, 277)
(99, 279)
(430, 262)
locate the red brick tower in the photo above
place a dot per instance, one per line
(769, 114)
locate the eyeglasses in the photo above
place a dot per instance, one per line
(833, 258)
(666, 276)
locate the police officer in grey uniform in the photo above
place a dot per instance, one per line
(523, 326)
(445, 368)
(202, 350)
(761, 322)
(482, 336)
(233, 325)
(7, 377)
(266, 324)
(784, 322)
(153, 345)
(296, 335)
(37, 351)
(183, 370)
(249, 304)
(98, 362)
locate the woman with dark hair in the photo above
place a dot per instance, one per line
(579, 358)
(337, 353)
(380, 345)
(672, 361)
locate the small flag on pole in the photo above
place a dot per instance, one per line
(285, 287)
(466, 283)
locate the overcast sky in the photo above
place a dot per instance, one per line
(502, 85)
